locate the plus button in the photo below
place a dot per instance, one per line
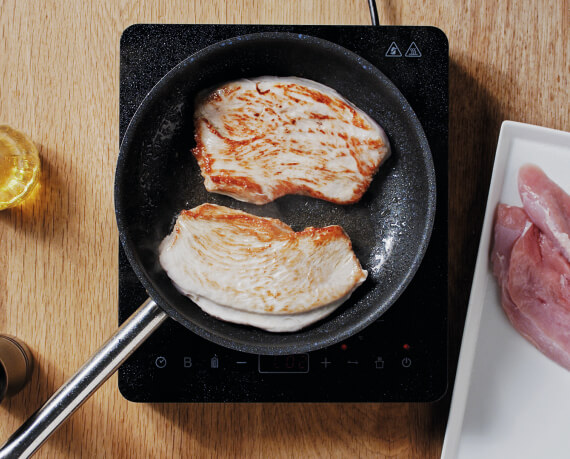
(326, 362)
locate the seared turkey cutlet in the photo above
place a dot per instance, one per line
(258, 271)
(260, 139)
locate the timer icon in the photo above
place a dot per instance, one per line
(160, 362)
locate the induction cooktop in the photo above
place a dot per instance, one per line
(402, 357)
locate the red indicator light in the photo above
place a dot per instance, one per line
(406, 347)
(344, 347)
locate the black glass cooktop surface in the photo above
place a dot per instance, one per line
(402, 357)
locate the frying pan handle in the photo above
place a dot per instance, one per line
(30, 436)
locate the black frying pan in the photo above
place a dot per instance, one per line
(157, 177)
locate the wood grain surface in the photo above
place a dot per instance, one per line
(59, 82)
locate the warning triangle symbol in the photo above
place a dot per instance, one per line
(393, 50)
(413, 51)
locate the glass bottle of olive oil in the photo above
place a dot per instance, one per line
(19, 166)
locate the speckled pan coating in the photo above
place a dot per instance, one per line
(157, 177)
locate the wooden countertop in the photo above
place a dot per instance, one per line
(59, 82)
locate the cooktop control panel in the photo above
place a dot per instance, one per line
(402, 357)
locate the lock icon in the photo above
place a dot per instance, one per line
(214, 362)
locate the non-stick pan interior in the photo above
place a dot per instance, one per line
(157, 177)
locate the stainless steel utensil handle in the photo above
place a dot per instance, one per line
(30, 436)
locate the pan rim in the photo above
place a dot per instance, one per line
(238, 343)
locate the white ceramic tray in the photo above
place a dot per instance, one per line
(509, 400)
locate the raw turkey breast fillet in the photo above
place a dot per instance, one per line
(531, 260)
(260, 139)
(257, 271)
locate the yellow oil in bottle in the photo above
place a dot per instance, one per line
(19, 166)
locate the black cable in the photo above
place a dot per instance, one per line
(373, 12)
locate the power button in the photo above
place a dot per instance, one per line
(406, 362)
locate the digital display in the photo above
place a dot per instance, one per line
(296, 363)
